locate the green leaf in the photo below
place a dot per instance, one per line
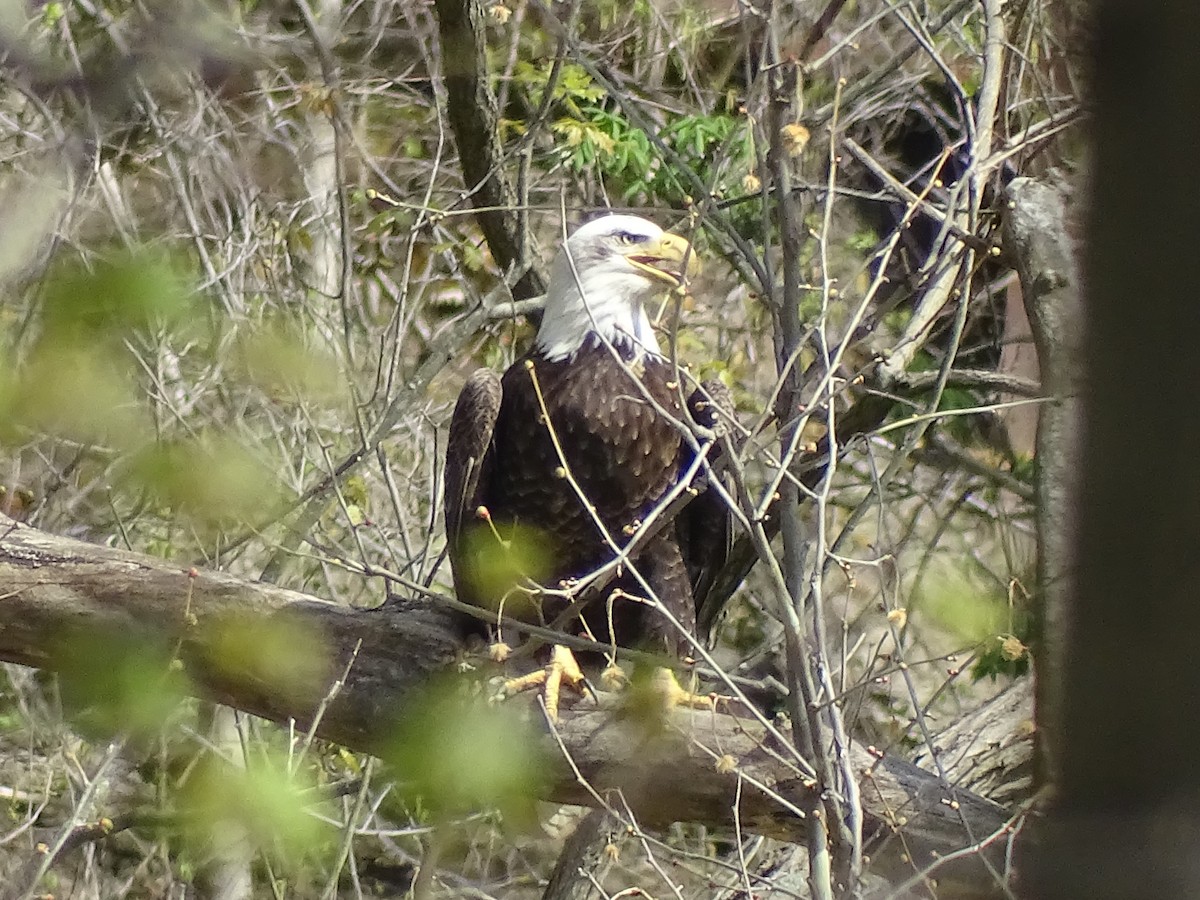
(82, 391)
(962, 605)
(210, 478)
(116, 682)
(279, 360)
(280, 656)
(269, 807)
(501, 563)
(52, 12)
(459, 754)
(127, 291)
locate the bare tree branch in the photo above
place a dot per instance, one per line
(471, 106)
(971, 378)
(574, 875)
(689, 771)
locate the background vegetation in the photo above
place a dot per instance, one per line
(247, 267)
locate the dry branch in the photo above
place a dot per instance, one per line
(990, 749)
(471, 108)
(51, 586)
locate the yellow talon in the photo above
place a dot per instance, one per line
(562, 669)
(653, 697)
(667, 686)
(613, 678)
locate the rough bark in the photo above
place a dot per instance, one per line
(989, 751)
(584, 855)
(1037, 234)
(52, 586)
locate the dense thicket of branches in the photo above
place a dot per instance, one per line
(253, 250)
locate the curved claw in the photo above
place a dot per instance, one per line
(666, 686)
(563, 669)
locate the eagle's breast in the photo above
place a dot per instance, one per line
(591, 428)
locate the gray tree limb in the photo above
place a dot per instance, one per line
(582, 858)
(990, 749)
(1037, 235)
(379, 659)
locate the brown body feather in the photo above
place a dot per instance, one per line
(531, 447)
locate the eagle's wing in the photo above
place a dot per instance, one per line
(469, 460)
(705, 526)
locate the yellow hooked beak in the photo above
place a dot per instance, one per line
(663, 258)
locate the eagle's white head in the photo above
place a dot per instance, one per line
(602, 279)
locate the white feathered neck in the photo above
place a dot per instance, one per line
(594, 289)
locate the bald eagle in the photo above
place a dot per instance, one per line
(580, 441)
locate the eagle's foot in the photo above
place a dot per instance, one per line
(563, 669)
(653, 695)
(614, 678)
(666, 687)
(498, 652)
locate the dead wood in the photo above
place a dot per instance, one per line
(377, 660)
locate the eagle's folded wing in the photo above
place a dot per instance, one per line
(468, 466)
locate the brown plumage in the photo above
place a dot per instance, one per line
(562, 458)
(624, 454)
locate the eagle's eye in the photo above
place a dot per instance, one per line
(628, 237)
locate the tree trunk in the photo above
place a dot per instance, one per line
(1124, 821)
(1037, 234)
